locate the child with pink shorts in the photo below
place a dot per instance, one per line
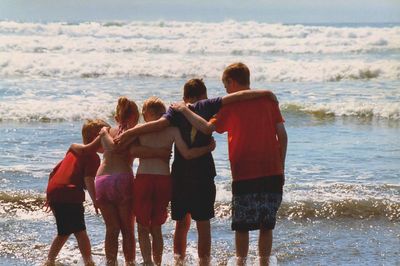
(153, 184)
(114, 183)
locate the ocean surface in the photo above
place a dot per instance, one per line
(339, 91)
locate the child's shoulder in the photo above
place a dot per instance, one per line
(207, 102)
(113, 131)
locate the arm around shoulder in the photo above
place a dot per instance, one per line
(130, 135)
(198, 122)
(91, 147)
(245, 95)
(191, 153)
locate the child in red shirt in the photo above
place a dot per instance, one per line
(65, 192)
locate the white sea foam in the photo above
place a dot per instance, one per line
(182, 49)
(71, 108)
(78, 109)
(96, 64)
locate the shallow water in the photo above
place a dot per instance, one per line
(339, 91)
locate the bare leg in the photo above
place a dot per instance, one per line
(84, 247)
(127, 223)
(265, 245)
(55, 248)
(145, 243)
(158, 244)
(204, 242)
(180, 237)
(111, 218)
(242, 246)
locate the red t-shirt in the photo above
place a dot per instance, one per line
(254, 150)
(66, 181)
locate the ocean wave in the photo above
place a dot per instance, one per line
(196, 37)
(73, 108)
(363, 110)
(348, 208)
(99, 65)
(178, 49)
(11, 202)
(81, 108)
(330, 201)
(374, 202)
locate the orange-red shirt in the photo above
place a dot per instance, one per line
(66, 182)
(254, 150)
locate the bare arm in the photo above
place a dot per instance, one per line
(245, 95)
(128, 136)
(192, 153)
(207, 127)
(283, 140)
(92, 147)
(89, 182)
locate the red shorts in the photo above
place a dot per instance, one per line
(152, 193)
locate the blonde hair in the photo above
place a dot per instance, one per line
(125, 109)
(91, 129)
(238, 72)
(154, 105)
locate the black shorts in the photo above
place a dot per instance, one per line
(195, 198)
(69, 217)
(255, 203)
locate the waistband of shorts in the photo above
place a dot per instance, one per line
(152, 176)
(116, 175)
(269, 184)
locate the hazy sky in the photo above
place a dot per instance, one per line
(289, 11)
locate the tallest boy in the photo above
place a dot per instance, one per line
(257, 150)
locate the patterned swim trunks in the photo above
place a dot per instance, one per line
(255, 203)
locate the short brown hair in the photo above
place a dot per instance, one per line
(154, 105)
(91, 129)
(125, 109)
(239, 72)
(194, 88)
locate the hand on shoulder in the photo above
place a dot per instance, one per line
(104, 130)
(179, 106)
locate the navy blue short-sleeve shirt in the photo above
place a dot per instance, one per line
(200, 169)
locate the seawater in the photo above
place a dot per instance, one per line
(339, 91)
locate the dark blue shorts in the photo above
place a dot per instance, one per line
(255, 203)
(195, 198)
(69, 217)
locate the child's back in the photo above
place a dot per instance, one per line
(162, 139)
(153, 184)
(114, 161)
(114, 182)
(66, 183)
